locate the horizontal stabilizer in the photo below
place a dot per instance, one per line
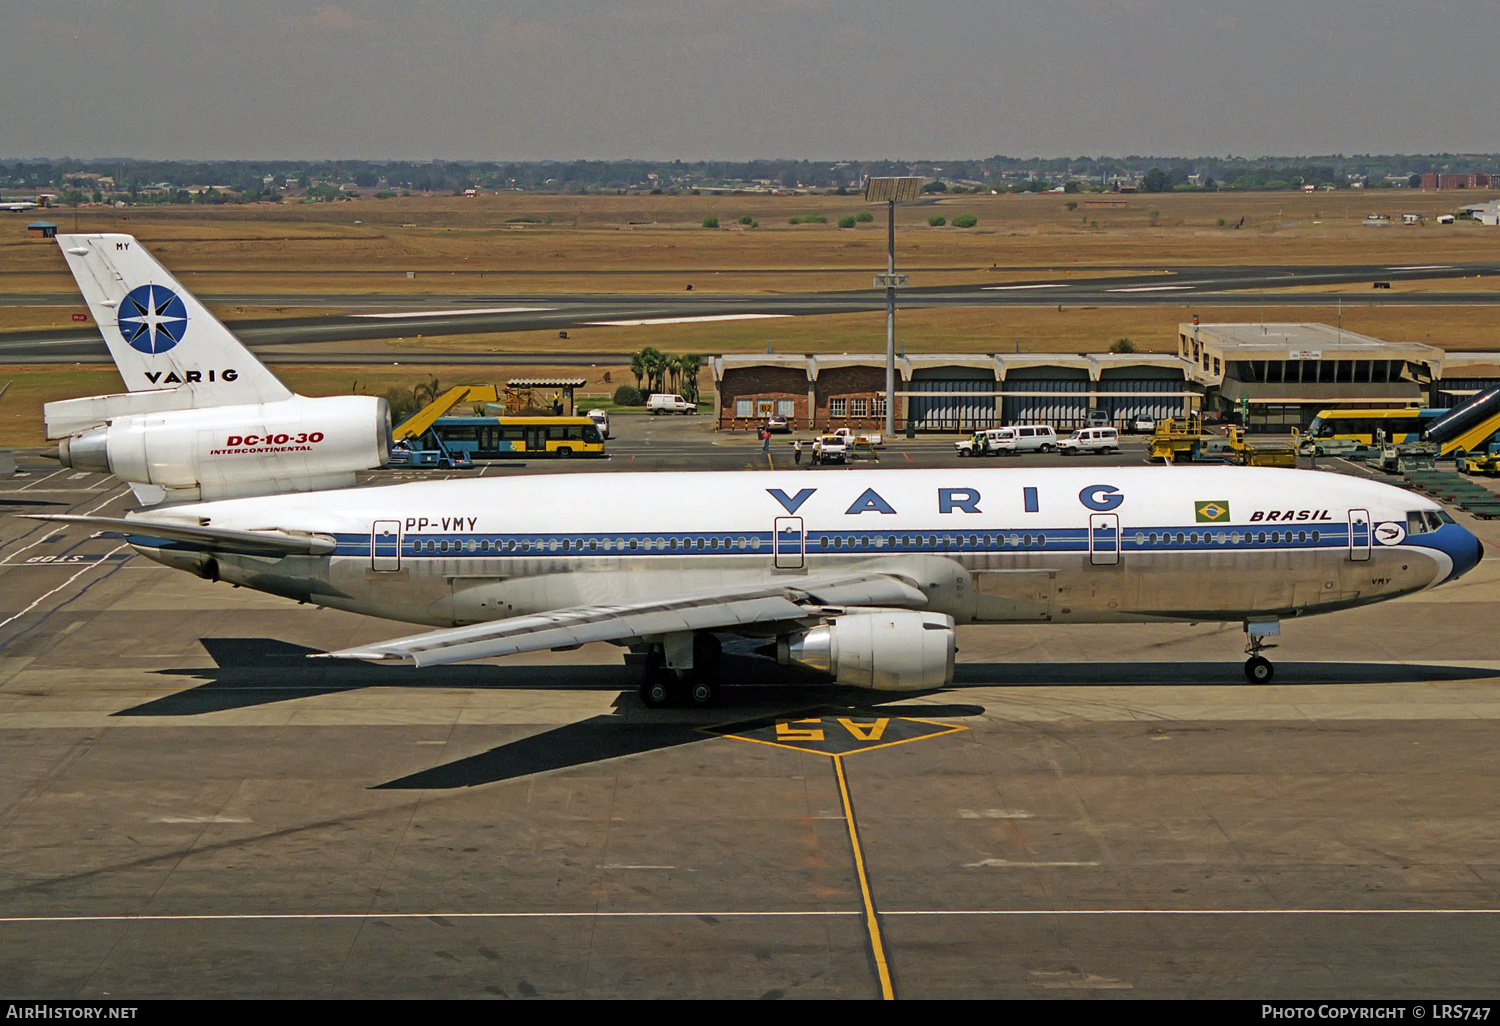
(70, 416)
(213, 539)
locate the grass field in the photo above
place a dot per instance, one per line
(505, 245)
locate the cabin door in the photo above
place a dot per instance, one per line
(1359, 534)
(788, 543)
(385, 545)
(1104, 539)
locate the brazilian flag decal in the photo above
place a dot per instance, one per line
(1215, 511)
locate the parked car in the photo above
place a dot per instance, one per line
(1021, 438)
(1094, 439)
(601, 421)
(778, 425)
(1099, 418)
(662, 402)
(1143, 425)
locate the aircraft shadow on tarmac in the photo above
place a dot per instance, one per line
(256, 671)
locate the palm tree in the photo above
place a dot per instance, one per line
(638, 367)
(655, 362)
(424, 392)
(687, 369)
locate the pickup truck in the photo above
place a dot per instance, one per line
(830, 449)
(874, 438)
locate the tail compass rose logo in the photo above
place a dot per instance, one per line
(152, 319)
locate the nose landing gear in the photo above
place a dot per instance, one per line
(1258, 669)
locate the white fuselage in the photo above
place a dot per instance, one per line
(985, 545)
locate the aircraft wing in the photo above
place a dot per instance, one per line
(214, 539)
(719, 608)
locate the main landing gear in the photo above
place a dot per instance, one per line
(682, 671)
(1258, 669)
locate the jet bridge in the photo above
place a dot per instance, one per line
(1468, 427)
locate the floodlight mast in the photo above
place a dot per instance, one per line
(891, 191)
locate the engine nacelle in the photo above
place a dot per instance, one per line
(226, 452)
(887, 650)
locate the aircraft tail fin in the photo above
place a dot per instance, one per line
(158, 333)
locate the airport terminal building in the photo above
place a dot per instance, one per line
(1275, 376)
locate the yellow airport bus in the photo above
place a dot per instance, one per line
(1364, 425)
(498, 438)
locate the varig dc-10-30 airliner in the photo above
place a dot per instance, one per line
(863, 575)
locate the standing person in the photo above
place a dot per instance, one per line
(797, 452)
(765, 439)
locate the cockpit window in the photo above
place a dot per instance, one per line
(1422, 521)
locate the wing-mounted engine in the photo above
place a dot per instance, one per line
(224, 452)
(887, 650)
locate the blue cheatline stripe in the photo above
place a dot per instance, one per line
(1197, 538)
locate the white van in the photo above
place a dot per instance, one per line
(663, 402)
(986, 443)
(1094, 439)
(1024, 438)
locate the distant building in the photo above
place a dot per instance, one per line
(1286, 373)
(1478, 180)
(41, 230)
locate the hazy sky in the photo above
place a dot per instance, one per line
(737, 79)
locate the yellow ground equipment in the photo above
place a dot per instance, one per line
(1176, 439)
(420, 422)
(1249, 455)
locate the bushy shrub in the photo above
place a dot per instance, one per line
(746, 219)
(965, 221)
(936, 221)
(846, 222)
(864, 216)
(629, 395)
(710, 222)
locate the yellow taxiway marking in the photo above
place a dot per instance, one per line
(834, 736)
(872, 921)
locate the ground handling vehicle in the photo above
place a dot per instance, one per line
(830, 449)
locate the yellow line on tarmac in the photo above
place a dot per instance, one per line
(872, 923)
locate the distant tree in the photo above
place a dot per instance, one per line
(655, 363)
(1070, 186)
(638, 367)
(1122, 345)
(687, 375)
(1072, 205)
(864, 216)
(1414, 182)
(1155, 181)
(965, 221)
(847, 222)
(936, 221)
(937, 186)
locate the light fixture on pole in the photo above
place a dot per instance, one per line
(891, 191)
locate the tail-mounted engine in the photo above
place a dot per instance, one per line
(225, 452)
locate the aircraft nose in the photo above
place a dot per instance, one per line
(1461, 546)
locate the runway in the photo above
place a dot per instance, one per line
(190, 808)
(382, 317)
